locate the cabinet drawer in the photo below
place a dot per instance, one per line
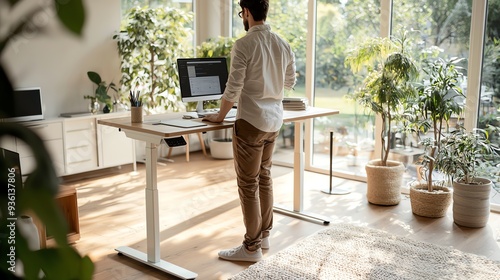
(81, 154)
(48, 131)
(8, 142)
(116, 147)
(82, 138)
(54, 147)
(82, 166)
(87, 124)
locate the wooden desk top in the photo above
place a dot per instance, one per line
(150, 126)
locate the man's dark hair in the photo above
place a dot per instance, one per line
(258, 8)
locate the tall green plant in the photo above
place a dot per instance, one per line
(440, 97)
(149, 46)
(388, 81)
(37, 195)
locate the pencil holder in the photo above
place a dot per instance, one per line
(136, 114)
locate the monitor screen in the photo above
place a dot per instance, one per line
(11, 169)
(202, 78)
(27, 105)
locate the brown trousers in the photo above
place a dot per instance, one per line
(253, 151)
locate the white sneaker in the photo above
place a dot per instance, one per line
(241, 254)
(265, 243)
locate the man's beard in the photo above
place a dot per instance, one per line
(245, 23)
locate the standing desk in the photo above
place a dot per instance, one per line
(153, 134)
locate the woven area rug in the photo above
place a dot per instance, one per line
(345, 251)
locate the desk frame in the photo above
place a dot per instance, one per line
(298, 181)
(153, 134)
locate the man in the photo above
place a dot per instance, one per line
(262, 66)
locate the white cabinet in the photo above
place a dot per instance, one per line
(75, 144)
(80, 145)
(115, 147)
(8, 142)
(51, 134)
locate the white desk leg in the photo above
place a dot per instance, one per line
(152, 212)
(153, 224)
(298, 180)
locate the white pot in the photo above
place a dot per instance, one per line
(221, 148)
(471, 203)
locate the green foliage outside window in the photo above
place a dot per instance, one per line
(149, 46)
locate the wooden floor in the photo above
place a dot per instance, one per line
(200, 214)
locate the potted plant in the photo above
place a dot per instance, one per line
(463, 156)
(385, 89)
(149, 45)
(440, 97)
(101, 93)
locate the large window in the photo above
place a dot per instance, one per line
(438, 29)
(184, 5)
(489, 101)
(341, 25)
(288, 18)
(441, 26)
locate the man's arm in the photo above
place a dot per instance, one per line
(290, 75)
(225, 106)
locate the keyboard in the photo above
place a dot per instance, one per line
(231, 114)
(174, 141)
(182, 123)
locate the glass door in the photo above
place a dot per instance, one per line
(341, 25)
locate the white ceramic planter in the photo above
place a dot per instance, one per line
(221, 148)
(471, 203)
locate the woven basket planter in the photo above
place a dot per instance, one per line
(471, 203)
(429, 204)
(384, 182)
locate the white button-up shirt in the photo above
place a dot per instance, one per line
(262, 66)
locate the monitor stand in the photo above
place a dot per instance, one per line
(199, 107)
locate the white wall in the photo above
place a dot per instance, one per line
(58, 61)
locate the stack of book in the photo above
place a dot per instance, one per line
(295, 103)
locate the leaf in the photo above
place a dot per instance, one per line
(94, 77)
(71, 14)
(6, 108)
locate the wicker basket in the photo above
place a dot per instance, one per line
(433, 204)
(384, 182)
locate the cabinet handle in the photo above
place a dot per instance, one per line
(38, 126)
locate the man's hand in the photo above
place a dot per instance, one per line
(212, 118)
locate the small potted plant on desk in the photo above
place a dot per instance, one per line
(440, 97)
(464, 156)
(385, 89)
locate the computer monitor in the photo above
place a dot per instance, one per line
(202, 79)
(27, 105)
(11, 169)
